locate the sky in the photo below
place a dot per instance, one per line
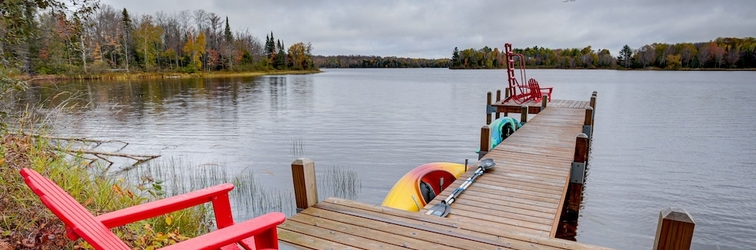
(432, 28)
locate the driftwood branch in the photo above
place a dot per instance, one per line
(92, 144)
(137, 157)
(96, 143)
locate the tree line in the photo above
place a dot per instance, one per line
(42, 39)
(721, 53)
(360, 61)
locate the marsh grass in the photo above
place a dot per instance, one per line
(334, 181)
(339, 182)
(297, 147)
(248, 199)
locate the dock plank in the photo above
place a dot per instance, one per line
(365, 228)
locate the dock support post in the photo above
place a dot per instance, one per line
(588, 122)
(488, 108)
(524, 114)
(544, 101)
(577, 174)
(305, 186)
(485, 141)
(498, 99)
(675, 229)
(593, 105)
(506, 95)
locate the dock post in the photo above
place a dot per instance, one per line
(588, 122)
(675, 229)
(577, 174)
(305, 186)
(544, 102)
(524, 114)
(593, 105)
(498, 99)
(488, 108)
(485, 141)
(506, 95)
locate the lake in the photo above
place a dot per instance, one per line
(662, 138)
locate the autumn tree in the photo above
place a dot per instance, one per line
(687, 53)
(647, 55)
(703, 55)
(147, 37)
(733, 55)
(673, 62)
(300, 57)
(717, 52)
(195, 47)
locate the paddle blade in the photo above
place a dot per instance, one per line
(486, 164)
(441, 210)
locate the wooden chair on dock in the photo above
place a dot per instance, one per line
(257, 233)
(521, 93)
(536, 92)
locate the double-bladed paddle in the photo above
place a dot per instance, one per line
(442, 209)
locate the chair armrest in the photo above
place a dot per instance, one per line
(163, 206)
(232, 234)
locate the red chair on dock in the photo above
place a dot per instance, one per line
(521, 93)
(257, 233)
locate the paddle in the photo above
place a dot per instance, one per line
(442, 209)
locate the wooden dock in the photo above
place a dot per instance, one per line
(515, 205)
(527, 188)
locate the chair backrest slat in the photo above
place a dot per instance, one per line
(73, 214)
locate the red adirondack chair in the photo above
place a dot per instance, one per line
(257, 233)
(537, 92)
(521, 92)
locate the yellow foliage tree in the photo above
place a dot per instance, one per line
(674, 61)
(196, 48)
(147, 38)
(298, 56)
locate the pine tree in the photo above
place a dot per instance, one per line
(455, 58)
(280, 62)
(229, 37)
(270, 46)
(227, 33)
(126, 34)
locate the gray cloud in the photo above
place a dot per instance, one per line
(431, 29)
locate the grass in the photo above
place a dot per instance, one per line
(297, 147)
(339, 182)
(334, 181)
(248, 199)
(27, 222)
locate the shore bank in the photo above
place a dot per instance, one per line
(158, 75)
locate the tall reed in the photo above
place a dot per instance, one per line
(339, 182)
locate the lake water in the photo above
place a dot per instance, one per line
(682, 139)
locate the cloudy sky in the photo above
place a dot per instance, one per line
(432, 28)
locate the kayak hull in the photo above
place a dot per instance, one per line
(421, 184)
